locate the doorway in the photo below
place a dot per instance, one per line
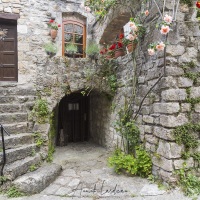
(73, 119)
(8, 50)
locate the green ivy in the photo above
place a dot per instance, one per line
(126, 126)
(139, 165)
(193, 76)
(39, 140)
(189, 183)
(40, 112)
(187, 135)
(108, 74)
(193, 101)
(33, 168)
(51, 137)
(187, 2)
(14, 192)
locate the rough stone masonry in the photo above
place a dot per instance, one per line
(163, 110)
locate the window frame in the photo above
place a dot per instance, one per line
(79, 23)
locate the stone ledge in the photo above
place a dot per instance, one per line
(35, 182)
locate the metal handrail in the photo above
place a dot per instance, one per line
(3, 145)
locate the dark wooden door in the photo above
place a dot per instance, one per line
(73, 119)
(8, 51)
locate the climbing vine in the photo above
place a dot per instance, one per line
(40, 111)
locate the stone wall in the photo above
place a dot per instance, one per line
(163, 109)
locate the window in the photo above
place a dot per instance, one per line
(74, 33)
(8, 47)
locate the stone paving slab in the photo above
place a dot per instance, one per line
(86, 176)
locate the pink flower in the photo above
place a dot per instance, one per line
(134, 28)
(168, 19)
(87, 9)
(164, 30)
(151, 52)
(132, 37)
(146, 12)
(160, 46)
(131, 24)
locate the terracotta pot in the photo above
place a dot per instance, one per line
(53, 33)
(119, 52)
(109, 57)
(131, 47)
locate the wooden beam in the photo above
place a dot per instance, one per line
(9, 16)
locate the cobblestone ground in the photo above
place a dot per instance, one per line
(86, 175)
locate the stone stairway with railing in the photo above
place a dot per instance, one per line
(23, 155)
(21, 150)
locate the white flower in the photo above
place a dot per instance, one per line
(151, 52)
(168, 19)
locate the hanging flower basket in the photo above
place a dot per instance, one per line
(131, 46)
(53, 33)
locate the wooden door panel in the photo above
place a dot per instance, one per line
(8, 59)
(71, 119)
(8, 73)
(9, 45)
(8, 52)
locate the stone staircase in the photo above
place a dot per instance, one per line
(21, 151)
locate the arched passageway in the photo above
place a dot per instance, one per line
(73, 119)
(84, 118)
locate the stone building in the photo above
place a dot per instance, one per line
(28, 74)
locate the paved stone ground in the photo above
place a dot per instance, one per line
(86, 176)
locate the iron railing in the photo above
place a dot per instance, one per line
(3, 145)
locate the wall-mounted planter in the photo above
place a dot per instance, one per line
(53, 33)
(119, 52)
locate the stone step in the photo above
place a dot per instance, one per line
(16, 99)
(14, 141)
(11, 108)
(20, 91)
(7, 118)
(20, 167)
(19, 153)
(17, 127)
(35, 182)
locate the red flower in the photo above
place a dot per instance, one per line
(103, 51)
(119, 44)
(112, 47)
(121, 36)
(59, 25)
(51, 21)
(198, 4)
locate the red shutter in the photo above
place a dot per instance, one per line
(8, 51)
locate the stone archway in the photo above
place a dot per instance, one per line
(84, 118)
(73, 119)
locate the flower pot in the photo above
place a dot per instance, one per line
(131, 47)
(53, 33)
(119, 52)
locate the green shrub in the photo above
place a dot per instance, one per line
(140, 165)
(189, 183)
(50, 48)
(92, 49)
(40, 112)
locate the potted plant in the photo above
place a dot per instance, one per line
(54, 28)
(119, 49)
(92, 50)
(71, 49)
(50, 48)
(136, 31)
